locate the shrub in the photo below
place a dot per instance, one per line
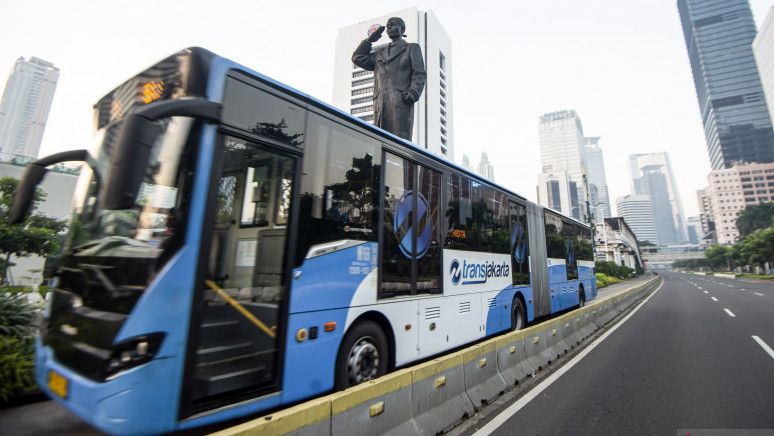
(612, 269)
(17, 316)
(17, 363)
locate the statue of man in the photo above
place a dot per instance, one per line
(399, 77)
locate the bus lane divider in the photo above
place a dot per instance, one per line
(434, 396)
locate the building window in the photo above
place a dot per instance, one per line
(367, 118)
(362, 82)
(442, 61)
(362, 91)
(443, 94)
(443, 85)
(363, 109)
(362, 73)
(443, 112)
(443, 76)
(443, 131)
(362, 100)
(443, 140)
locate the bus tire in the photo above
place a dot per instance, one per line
(581, 296)
(363, 355)
(518, 314)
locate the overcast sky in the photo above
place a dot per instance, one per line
(622, 65)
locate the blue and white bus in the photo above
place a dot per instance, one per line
(236, 246)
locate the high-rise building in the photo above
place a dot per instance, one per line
(693, 227)
(485, 168)
(763, 50)
(718, 36)
(707, 217)
(595, 169)
(731, 190)
(25, 106)
(559, 192)
(466, 162)
(353, 87)
(562, 150)
(637, 210)
(652, 175)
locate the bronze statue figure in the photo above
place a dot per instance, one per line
(399, 77)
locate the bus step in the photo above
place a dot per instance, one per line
(218, 377)
(223, 350)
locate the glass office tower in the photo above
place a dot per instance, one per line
(719, 36)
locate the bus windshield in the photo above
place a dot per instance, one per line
(110, 256)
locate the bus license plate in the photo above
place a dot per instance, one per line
(58, 384)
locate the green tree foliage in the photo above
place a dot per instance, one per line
(612, 269)
(754, 218)
(756, 248)
(18, 321)
(38, 234)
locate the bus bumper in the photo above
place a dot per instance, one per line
(137, 401)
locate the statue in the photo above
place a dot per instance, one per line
(399, 77)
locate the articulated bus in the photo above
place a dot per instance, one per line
(236, 246)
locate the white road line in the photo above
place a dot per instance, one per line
(714, 299)
(730, 286)
(705, 292)
(764, 345)
(700, 287)
(758, 293)
(731, 314)
(500, 419)
(742, 289)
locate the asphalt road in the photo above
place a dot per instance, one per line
(682, 362)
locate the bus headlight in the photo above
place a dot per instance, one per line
(133, 352)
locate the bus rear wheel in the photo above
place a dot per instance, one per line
(363, 355)
(518, 314)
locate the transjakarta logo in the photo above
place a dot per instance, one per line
(476, 273)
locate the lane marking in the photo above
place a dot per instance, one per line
(764, 345)
(700, 287)
(731, 314)
(705, 292)
(519, 404)
(758, 293)
(742, 289)
(730, 286)
(714, 299)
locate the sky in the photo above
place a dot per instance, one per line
(622, 65)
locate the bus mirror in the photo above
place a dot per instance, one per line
(129, 162)
(33, 175)
(135, 140)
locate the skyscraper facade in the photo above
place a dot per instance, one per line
(595, 169)
(718, 36)
(353, 86)
(637, 210)
(25, 106)
(651, 174)
(559, 192)
(561, 151)
(485, 168)
(763, 49)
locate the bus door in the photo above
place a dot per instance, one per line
(234, 351)
(411, 245)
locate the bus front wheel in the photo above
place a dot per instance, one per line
(363, 355)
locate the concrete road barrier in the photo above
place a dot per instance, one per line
(483, 381)
(433, 396)
(512, 360)
(438, 398)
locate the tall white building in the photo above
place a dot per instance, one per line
(595, 169)
(353, 86)
(637, 210)
(561, 151)
(466, 162)
(559, 192)
(25, 106)
(485, 168)
(763, 50)
(651, 174)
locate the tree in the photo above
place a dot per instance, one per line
(37, 235)
(758, 247)
(754, 218)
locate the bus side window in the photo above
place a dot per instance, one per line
(339, 186)
(459, 214)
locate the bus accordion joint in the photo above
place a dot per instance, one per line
(270, 331)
